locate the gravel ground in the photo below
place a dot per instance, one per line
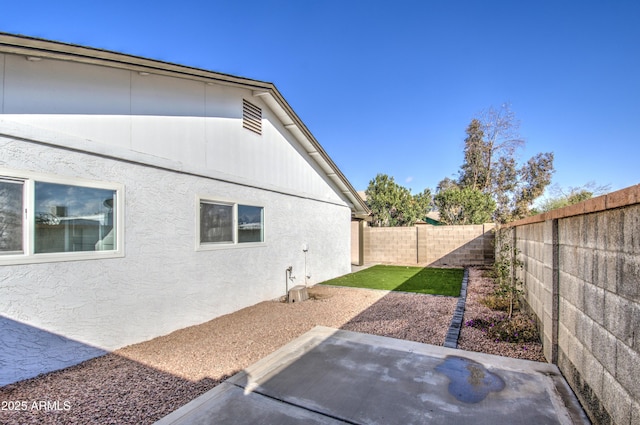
(473, 339)
(141, 383)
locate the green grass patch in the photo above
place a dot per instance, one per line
(422, 280)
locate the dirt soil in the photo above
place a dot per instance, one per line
(142, 383)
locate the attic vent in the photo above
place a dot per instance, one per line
(251, 117)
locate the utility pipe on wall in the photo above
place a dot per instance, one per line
(287, 276)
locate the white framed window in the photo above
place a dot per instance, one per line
(228, 224)
(46, 218)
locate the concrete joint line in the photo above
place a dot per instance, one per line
(346, 421)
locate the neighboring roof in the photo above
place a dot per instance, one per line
(29, 46)
(433, 218)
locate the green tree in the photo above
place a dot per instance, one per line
(464, 205)
(535, 176)
(474, 172)
(490, 165)
(564, 197)
(393, 205)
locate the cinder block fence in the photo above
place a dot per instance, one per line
(423, 245)
(582, 280)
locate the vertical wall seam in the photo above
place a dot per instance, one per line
(130, 109)
(204, 123)
(555, 288)
(417, 245)
(4, 76)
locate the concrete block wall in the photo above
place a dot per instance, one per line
(355, 246)
(534, 241)
(582, 279)
(457, 245)
(390, 245)
(430, 245)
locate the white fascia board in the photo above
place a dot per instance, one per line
(46, 49)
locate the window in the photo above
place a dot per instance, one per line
(250, 224)
(222, 223)
(216, 223)
(45, 218)
(11, 206)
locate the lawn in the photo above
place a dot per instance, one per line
(422, 280)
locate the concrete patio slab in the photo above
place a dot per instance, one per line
(329, 376)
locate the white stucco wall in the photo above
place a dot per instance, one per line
(166, 141)
(163, 283)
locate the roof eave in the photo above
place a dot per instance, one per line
(39, 48)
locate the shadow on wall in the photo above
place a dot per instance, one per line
(425, 245)
(78, 394)
(477, 252)
(28, 351)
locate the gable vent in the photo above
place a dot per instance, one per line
(251, 117)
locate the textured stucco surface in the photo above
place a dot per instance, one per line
(166, 139)
(162, 283)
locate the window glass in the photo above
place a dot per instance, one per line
(11, 208)
(250, 224)
(216, 223)
(73, 218)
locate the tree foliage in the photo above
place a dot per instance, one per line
(394, 205)
(490, 165)
(564, 197)
(464, 205)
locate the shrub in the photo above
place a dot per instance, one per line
(499, 302)
(505, 270)
(519, 328)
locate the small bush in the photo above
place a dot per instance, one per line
(488, 272)
(519, 328)
(499, 302)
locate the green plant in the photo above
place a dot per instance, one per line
(499, 302)
(505, 270)
(519, 328)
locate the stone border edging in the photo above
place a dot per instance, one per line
(451, 340)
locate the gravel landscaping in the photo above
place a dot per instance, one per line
(141, 383)
(473, 339)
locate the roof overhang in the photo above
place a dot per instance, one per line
(34, 49)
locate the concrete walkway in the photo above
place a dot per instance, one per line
(329, 376)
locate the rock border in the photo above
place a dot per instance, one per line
(451, 340)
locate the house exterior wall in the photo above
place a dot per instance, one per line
(185, 121)
(582, 279)
(355, 245)
(167, 141)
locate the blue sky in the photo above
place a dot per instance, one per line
(390, 87)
